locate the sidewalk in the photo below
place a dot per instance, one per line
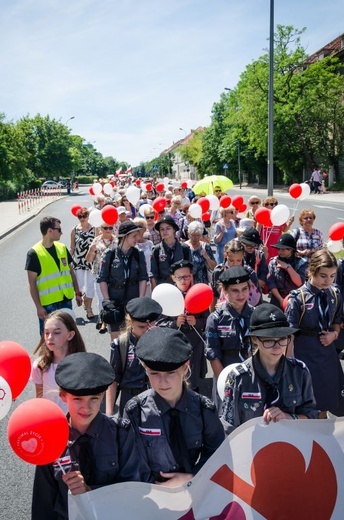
(10, 219)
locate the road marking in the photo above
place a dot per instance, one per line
(327, 207)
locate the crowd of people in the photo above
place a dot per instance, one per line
(274, 327)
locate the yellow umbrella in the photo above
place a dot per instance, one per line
(209, 182)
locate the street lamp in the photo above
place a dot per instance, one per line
(270, 171)
(182, 129)
(73, 117)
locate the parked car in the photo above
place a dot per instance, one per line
(47, 186)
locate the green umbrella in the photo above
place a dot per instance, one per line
(208, 183)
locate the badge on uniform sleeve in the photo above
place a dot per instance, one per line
(251, 395)
(290, 388)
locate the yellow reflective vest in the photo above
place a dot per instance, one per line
(53, 284)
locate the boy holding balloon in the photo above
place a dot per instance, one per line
(100, 450)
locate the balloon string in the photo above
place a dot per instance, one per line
(295, 207)
(198, 334)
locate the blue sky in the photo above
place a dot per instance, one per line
(134, 72)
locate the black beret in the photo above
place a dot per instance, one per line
(167, 220)
(268, 321)
(234, 275)
(180, 264)
(126, 228)
(144, 309)
(163, 349)
(84, 373)
(286, 241)
(251, 237)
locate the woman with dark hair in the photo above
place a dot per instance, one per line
(123, 276)
(268, 384)
(169, 250)
(317, 310)
(82, 236)
(286, 271)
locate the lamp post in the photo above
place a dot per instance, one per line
(270, 171)
(182, 129)
(73, 117)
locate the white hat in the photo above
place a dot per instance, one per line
(121, 209)
(245, 223)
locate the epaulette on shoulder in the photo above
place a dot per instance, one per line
(242, 368)
(207, 403)
(298, 362)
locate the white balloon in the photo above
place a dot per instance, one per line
(133, 195)
(221, 380)
(175, 184)
(97, 188)
(334, 246)
(279, 214)
(142, 209)
(214, 202)
(95, 218)
(5, 397)
(107, 189)
(195, 211)
(305, 191)
(170, 299)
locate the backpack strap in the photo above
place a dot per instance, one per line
(302, 294)
(123, 344)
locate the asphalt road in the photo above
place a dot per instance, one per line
(19, 323)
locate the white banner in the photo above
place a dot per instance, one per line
(286, 470)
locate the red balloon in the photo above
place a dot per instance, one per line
(198, 298)
(205, 217)
(160, 187)
(184, 185)
(15, 366)
(263, 216)
(149, 186)
(38, 431)
(90, 189)
(243, 208)
(109, 215)
(113, 184)
(159, 204)
(237, 201)
(225, 201)
(204, 203)
(138, 182)
(295, 190)
(75, 208)
(336, 232)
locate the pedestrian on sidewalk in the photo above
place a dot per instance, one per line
(52, 281)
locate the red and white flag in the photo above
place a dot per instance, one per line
(119, 171)
(289, 469)
(129, 170)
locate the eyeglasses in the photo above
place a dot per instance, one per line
(186, 277)
(250, 246)
(57, 229)
(308, 218)
(150, 217)
(82, 217)
(143, 198)
(107, 228)
(271, 343)
(228, 212)
(217, 191)
(271, 204)
(254, 202)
